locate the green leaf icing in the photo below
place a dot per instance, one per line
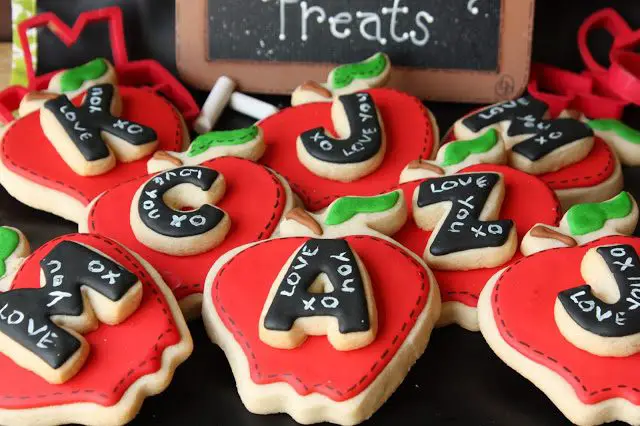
(457, 152)
(225, 137)
(618, 127)
(347, 207)
(372, 67)
(9, 240)
(72, 79)
(591, 217)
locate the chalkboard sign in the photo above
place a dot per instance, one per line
(461, 50)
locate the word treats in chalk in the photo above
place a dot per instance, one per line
(163, 216)
(89, 138)
(534, 143)
(323, 283)
(345, 79)
(466, 231)
(33, 321)
(487, 148)
(357, 152)
(243, 143)
(584, 223)
(277, 306)
(567, 319)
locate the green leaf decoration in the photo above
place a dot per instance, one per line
(458, 151)
(618, 127)
(9, 240)
(225, 137)
(369, 68)
(73, 78)
(345, 208)
(590, 217)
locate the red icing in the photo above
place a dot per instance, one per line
(527, 201)
(525, 295)
(596, 168)
(254, 200)
(239, 293)
(409, 135)
(119, 355)
(27, 152)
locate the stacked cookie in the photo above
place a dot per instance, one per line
(334, 233)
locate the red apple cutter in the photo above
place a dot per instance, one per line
(598, 92)
(147, 73)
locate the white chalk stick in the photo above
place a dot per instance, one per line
(250, 106)
(214, 105)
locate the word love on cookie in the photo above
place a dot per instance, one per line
(608, 324)
(469, 224)
(567, 320)
(90, 138)
(33, 322)
(159, 221)
(360, 150)
(324, 282)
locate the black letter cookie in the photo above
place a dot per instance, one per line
(181, 220)
(468, 225)
(566, 319)
(323, 293)
(87, 330)
(562, 151)
(383, 130)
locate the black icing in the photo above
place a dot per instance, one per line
(347, 302)
(84, 124)
(461, 229)
(546, 135)
(159, 217)
(364, 142)
(495, 114)
(25, 314)
(618, 319)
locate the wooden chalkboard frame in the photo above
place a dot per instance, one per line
(510, 80)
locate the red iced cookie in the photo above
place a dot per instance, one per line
(527, 201)
(34, 172)
(519, 316)
(125, 363)
(255, 200)
(316, 382)
(410, 134)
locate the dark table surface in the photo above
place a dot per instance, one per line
(458, 381)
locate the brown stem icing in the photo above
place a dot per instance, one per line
(544, 232)
(305, 219)
(165, 156)
(39, 96)
(417, 164)
(312, 86)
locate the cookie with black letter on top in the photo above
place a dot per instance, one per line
(87, 331)
(183, 219)
(562, 151)
(567, 320)
(324, 292)
(467, 226)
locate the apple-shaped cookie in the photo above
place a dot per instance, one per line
(324, 321)
(526, 202)
(409, 131)
(254, 201)
(62, 363)
(563, 151)
(33, 170)
(566, 319)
